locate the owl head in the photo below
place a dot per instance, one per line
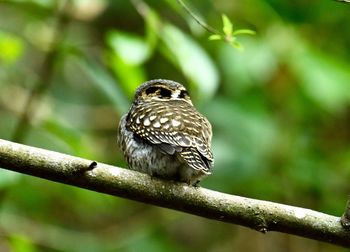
(161, 90)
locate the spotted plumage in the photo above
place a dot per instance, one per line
(164, 135)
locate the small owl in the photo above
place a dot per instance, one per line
(164, 135)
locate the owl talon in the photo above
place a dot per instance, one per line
(196, 184)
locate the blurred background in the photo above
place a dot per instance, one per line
(280, 112)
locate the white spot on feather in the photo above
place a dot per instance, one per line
(146, 122)
(163, 120)
(175, 123)
(156, 124)
(169, 113)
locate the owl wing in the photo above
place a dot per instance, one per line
(175, 126)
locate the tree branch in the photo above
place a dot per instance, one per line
(260, 215)
(345, 219)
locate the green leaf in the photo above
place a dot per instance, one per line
(151, 37)
(237, 45)
(192, 59)
(243, 31)
(230, 39)
(11, 47)
(20, 243)
(227, 25)
(105, 82)
(127, 56)
(215, 37)
(64, 135)
(324, 79)
(131, 49)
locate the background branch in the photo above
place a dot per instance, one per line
(45, 74)
(260, 215)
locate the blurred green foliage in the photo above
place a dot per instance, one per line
(280, 114)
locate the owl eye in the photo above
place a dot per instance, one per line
(183, 94)
(151, 90)
(158, 91)
(165, 93)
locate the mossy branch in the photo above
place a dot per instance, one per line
(260, 215)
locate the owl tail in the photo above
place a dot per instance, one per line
(195, 160)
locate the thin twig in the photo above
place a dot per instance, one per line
(197, 19)
(260, 215)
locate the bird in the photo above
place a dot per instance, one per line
(164, 135)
